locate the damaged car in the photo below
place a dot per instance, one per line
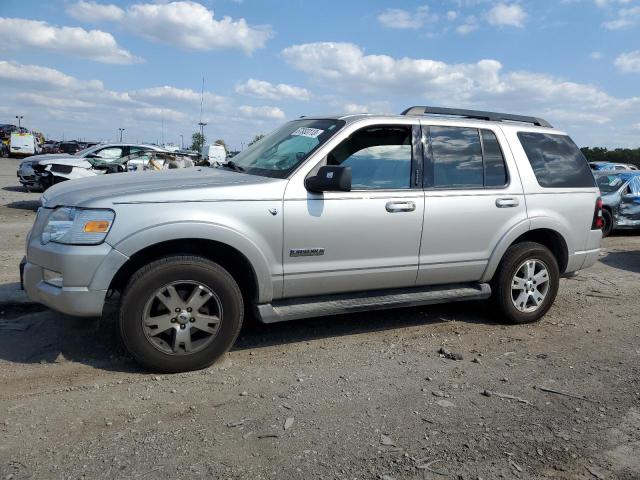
(61, 170)
(32, 171)
(621, 199)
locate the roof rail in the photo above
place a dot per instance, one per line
(476, 114)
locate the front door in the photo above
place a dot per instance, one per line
(367, 238)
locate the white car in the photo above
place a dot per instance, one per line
(67, 167)
(24, 144)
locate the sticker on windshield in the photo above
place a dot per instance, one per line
(307, 132)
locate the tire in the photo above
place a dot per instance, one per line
(507, 296)
(607, 219)
(163, 340)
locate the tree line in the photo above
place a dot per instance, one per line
(619, 155)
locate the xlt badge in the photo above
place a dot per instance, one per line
(306, 252)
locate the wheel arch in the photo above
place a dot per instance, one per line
(549, 237)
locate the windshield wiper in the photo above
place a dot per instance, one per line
(230, 164)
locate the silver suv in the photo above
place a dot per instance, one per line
(326, 215)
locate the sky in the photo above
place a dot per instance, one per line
(83, 69)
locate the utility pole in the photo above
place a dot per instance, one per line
(121, 130)
(181, 142)
(201, 123)
(20, 117)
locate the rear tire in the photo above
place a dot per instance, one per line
(607, 222)
(180, 313)
(526, 282)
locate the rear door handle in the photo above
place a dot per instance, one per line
(507, 202)
(395, 207)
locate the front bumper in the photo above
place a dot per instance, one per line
(87, 272)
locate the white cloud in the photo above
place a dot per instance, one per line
(405, 20)
(261, 112)
(470, 25)
(176, 95)
(452, 15)
(18, 33)
(504, 15)
(263, 89)
(627, 17)
(186, 24)
(596, 55)
(628, 62)
(482, 84)
(94, 12)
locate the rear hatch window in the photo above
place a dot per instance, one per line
(557, 162)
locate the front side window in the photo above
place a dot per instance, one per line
(379, 157)
(609, 183)
(634, 186)
(281, 152)
(557, 162)
(457, 157)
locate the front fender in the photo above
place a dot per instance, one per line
(178, 230)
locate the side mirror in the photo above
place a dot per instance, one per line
(330, 179)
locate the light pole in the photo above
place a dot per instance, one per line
(19, 117)
(121, 130)
(181, 142)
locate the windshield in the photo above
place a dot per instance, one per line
(280, 152)
(609, 183)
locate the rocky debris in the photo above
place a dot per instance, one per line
(444, 353)
(288, 423)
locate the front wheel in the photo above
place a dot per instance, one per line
(180, 313)
(526, 282)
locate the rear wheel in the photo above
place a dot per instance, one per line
(180, 313)
(607, 222)
(526, 282)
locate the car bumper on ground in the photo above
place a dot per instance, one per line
(85, 274)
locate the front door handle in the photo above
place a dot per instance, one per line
(507, 202)
(395, 207)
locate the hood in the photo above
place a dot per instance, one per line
(177, 185)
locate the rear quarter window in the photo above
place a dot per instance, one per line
(557, 162)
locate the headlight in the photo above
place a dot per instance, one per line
(76, 226)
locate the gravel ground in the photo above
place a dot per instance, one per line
(354, 397)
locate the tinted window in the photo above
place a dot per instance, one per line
(556, 161)
(495, 172)
(380, 158)
(457, 157)
(110, 152)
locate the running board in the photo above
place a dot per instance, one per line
(307, 307)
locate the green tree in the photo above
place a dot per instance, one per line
(260, 136)
(197, 141)
(221, 141)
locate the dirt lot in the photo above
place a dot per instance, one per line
(353, 397)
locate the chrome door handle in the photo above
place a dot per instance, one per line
(507, 202)
(395, 207)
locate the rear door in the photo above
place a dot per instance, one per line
(473, 196)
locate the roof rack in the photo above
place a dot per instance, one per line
(476, 114)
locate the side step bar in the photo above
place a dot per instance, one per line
(307, 307)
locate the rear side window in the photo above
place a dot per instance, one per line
(556, 161)
(457, 157)
(495, 172)
(466, 158)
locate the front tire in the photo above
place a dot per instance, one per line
(180, 313)
(526, 282)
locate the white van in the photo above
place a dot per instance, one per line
(214, 153)
(22, 144)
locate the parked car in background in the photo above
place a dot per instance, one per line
(214, 153)
(326, 215)
(45, 170)
(621, 199)
(600, 166)
(24, 144)
(69, 148)
(50, 146)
